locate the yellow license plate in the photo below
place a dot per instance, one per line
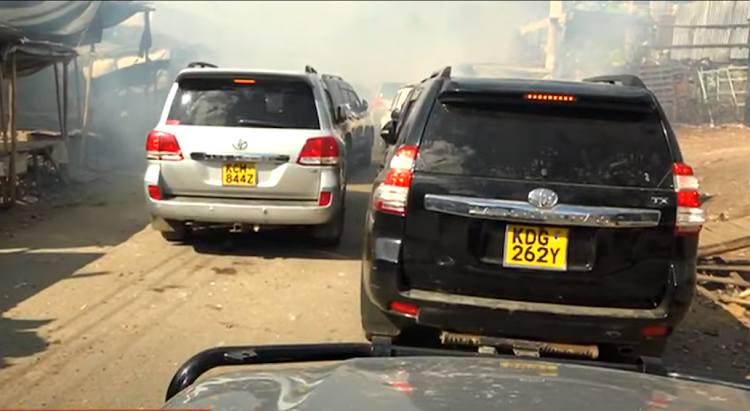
(238, 174)
(543, 248)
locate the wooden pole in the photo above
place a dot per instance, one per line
(77, 80)
(58, 104)
(65, 86)
(64, 131)
(86, 104)
(5, 181)
(12, 97)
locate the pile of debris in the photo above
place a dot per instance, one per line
(726, 281)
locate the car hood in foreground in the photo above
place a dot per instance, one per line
(454, 384)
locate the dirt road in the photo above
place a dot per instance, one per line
(98, 310)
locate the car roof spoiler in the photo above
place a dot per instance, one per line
(628, 80)
(201, 64)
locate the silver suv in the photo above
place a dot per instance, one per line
(246, 149)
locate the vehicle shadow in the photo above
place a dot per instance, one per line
(712, 342)
(50, 241)
(289, 243)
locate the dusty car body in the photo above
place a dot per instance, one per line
(437, 383)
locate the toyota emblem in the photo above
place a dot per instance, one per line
(240, 145)
(543, 198)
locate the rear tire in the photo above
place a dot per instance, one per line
(365, 160)
(374, 321)
(330, 233)
(180, 232)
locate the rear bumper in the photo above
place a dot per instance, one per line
(513, 319)
(222, 211)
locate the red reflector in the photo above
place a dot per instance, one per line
(404, 308)
(325, 198)
(688, 199)
(171, 122)
(244, 81)
(550, 97)
(154, 192)
(654, 331)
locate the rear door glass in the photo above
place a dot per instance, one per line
(542, 143)
(222, 102)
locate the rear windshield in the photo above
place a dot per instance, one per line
(273, 103)
(543, 143)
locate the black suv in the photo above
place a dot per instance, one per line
(354, 119)
(532, 211)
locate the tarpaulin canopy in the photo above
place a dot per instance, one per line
(33, 56)
(73, 23)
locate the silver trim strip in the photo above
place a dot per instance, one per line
(255, 158)
(523, 212)
(658, 312)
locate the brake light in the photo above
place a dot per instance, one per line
(549, 97)
(319, 151)
(243, 81)
(690, 217)
(163, 146)
(392, 193)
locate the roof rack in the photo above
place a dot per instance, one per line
(310, 70)
(623, 79)
(333, 76)
(201, 64)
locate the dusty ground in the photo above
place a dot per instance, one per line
(98, 311)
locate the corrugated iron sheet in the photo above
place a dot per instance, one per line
(706, 13)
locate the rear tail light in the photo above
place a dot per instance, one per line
(392, 193)
(690, 216)
(163, 146)
(319, 151)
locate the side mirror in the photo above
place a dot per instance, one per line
(395, 114)
(387, 133)
(364, 105)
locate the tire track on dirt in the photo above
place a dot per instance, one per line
(142, 314)
(100, 313)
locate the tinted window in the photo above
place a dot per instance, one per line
(284, 103)
(539, 143)
(336, 93)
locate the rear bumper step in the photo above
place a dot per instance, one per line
(521, 347)
(207, 211)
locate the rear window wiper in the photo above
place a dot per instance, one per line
(212, 358)
(259, 123)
